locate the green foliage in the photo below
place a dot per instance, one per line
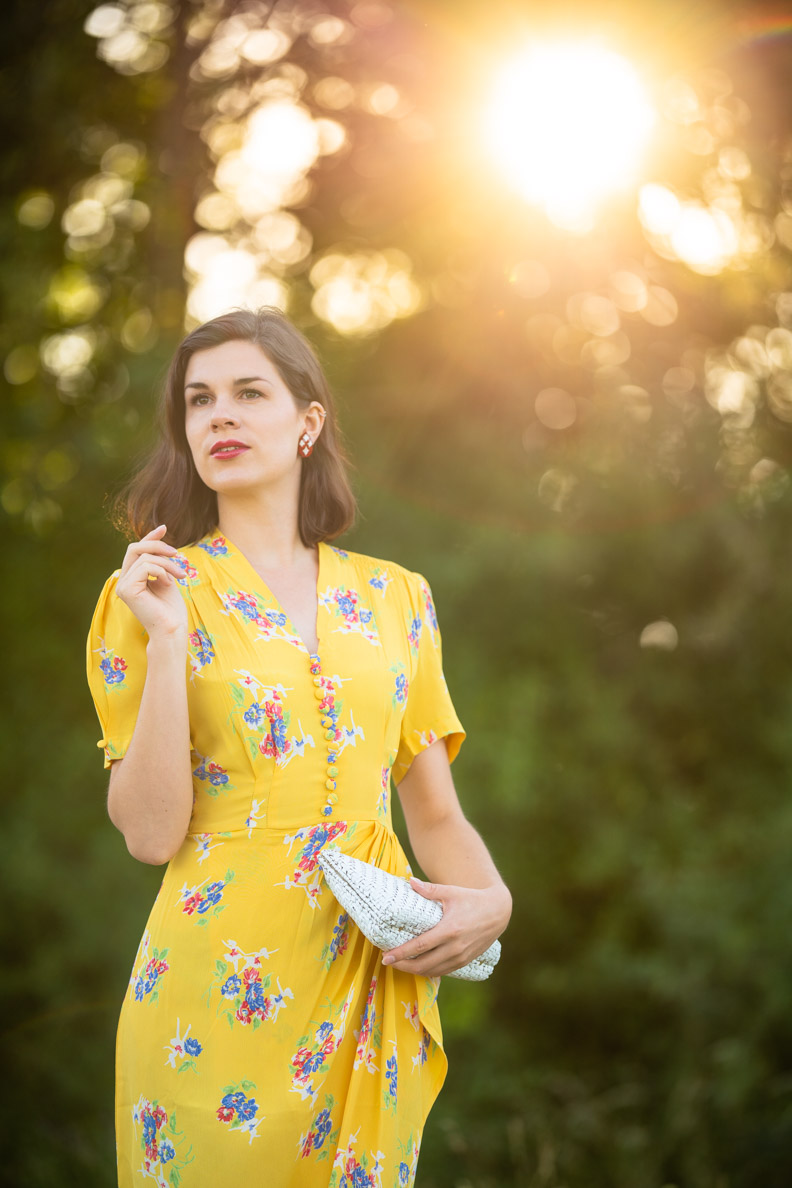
(631, 784)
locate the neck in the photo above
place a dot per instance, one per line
(263, 527)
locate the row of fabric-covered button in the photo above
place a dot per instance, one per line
(324, 693)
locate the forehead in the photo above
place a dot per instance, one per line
(229, 361)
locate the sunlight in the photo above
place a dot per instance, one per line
(567, 125)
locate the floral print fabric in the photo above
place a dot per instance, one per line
(260, 1035)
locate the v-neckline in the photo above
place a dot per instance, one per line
(246, 563)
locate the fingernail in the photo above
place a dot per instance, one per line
(387, 960)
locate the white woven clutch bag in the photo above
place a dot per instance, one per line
(387, 910)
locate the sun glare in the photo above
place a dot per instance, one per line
(567, 124)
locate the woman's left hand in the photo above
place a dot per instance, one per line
(472, 919)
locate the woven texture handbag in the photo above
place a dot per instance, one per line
(387, 910)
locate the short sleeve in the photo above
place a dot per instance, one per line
(116, 664)
(429, 712)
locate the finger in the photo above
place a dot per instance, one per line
(442, 959)
(136, 547)
(152, 547)
(153, 572)
(428, 890)
(173, 565)
(417, 946)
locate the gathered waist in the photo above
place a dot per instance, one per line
(263, 830)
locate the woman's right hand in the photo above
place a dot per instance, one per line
(158, 604)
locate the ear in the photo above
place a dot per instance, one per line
(313, 420)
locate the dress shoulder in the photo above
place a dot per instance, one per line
(371, 567)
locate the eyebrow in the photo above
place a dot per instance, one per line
(246, 379)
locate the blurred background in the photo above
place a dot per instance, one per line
(545, 253)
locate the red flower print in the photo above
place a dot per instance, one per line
(225, 1113)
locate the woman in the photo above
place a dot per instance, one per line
(257, 690)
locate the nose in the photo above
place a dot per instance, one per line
(223, 415)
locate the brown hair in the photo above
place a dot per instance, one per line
(167, 489)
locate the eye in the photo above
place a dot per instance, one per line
(249, 391)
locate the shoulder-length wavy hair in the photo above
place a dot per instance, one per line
(167, 489)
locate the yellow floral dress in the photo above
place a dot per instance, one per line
(261, 1040)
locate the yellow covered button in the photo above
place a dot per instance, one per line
(332, 798)
(319, 694)
(332, 771)
(330, 784)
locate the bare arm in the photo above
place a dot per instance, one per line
(476, 902)
(150, 797)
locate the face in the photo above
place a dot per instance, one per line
(233, 392)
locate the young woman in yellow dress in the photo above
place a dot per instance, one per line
(258, 690)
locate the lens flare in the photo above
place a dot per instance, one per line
(567, 124)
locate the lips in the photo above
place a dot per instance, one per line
(227, 448)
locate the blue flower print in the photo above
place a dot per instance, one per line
(391, 1072)
(339, 934)
(404, 1173)
(212, 896)
(278, 731)
(211, 771)
(346, 605)
(202, 644)
(192, 1047)
(401, 687)
(215, 548)
(149, 1129)
(112, 675)
(166, 1150)
(254, 715)
(277, 618)
(230, 988)
(314, 1063)
(322, 1126)
(254, 996)
(315, 842)
(246, 606)
(365, 615)
(323, 1031)
(246, 1108)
